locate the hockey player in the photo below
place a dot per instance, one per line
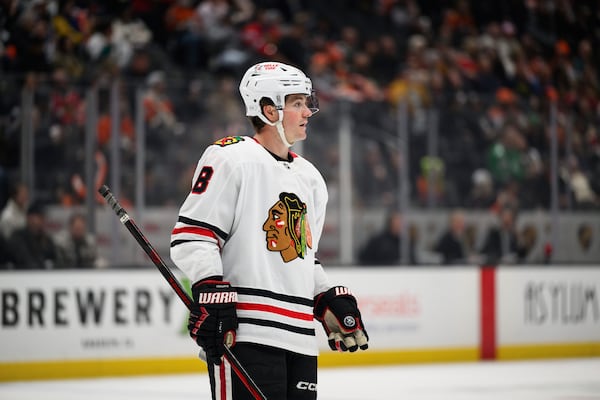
(247, 235)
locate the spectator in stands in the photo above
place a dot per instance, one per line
(100, 48)
(66, 104)
(506, 157)
(528, 237)
(159, 111)
(224, 107)
(216, 26)
(431, 181)
(451, 244)
(507, 196)
(292, 46)
(13, 215)
(71, 22)
(185, 41)
(129, 33)
(386, 59)
(77, 247)
(579, 185)
(32, 247)
(262, 34)
(385, 247)
(67, 58)
(502, 244)
(32, 39)
(374, 179)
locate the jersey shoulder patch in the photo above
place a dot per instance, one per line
(229, 140)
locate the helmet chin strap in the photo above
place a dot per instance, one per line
(279, 125)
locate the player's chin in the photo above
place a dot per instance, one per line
(301, 134)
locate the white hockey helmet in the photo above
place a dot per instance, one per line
(274, 80)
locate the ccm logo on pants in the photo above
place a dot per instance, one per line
(307, 386)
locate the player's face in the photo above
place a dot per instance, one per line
(295, 117)
(278, 238)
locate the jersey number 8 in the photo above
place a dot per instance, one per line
(203, 179)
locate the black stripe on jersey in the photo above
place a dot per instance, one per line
(190, 221)
(180, 241)
(277, 325)
(276, 296)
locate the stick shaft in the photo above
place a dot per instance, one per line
(174, 283)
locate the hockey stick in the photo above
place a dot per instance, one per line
(175, 284)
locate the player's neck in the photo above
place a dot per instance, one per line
(271, 141)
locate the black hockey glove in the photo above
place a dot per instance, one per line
(213, 319)
(338, 312)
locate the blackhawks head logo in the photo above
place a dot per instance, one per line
(287, 228)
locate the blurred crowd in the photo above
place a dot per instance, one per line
(495, 81)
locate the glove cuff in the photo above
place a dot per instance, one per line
(213, 290)
(323, 300)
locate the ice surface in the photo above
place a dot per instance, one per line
(565, 379)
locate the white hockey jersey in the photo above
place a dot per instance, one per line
(256, 220)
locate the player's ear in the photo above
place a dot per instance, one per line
(270, 112)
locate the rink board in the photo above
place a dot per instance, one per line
(66, 324)
(547, 312)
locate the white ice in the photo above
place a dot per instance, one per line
(565, 379)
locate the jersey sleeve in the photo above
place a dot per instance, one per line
(204, 219)
(321, 283)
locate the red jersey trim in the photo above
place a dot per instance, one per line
(196, 231)
(274, 310)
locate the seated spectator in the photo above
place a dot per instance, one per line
(66, 58)
(32, 247)
(77, 247)
(71, 22)
(99, 47)
(451, 244)
(184, 32)
(159, 111)
(502, 244)
(431, 181)
(505, 158)
(582, 192)
(130, 34)
(384, 248)
(482, 194)
(13, 214)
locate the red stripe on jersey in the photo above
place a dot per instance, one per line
(195, 231)
(274, 310)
